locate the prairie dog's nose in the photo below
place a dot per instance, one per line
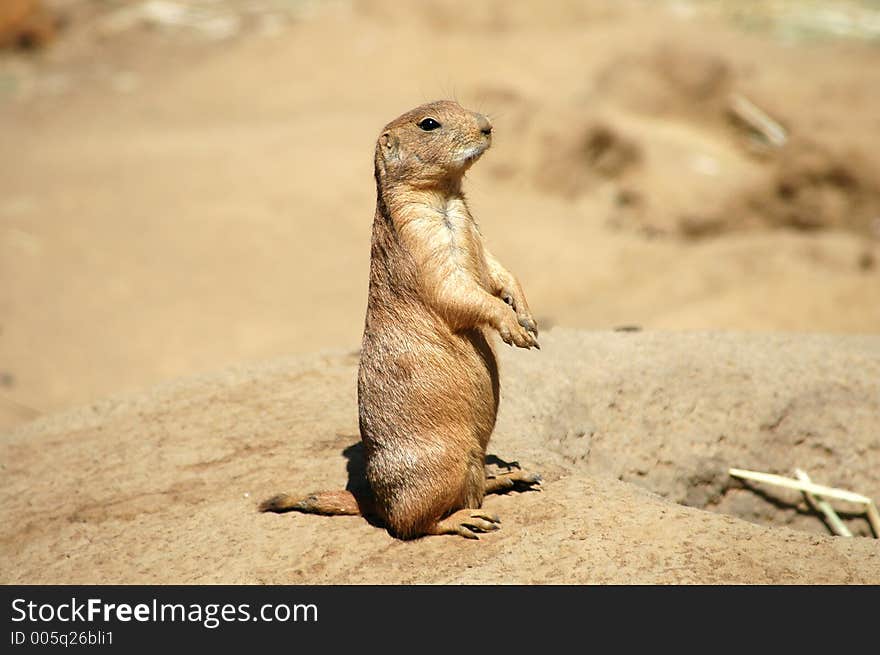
(484, 124)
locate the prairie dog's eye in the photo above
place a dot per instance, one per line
(428, 124)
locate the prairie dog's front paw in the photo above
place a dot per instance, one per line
(519, 305)
(513, 332)
(525, 320)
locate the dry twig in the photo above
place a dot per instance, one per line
(837, 526)
(818, 492)
(757, 120)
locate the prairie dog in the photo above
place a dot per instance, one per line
(428, 384)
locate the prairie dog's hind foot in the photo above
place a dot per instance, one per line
(467, 523)
(515, 480)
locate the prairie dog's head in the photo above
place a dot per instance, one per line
(431, 145)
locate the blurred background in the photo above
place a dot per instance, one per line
(188, 185)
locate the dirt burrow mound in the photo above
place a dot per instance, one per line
(694, 143)
(162, 486)
(673, 416)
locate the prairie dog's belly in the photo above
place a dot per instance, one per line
(413, 388)
(422, 382)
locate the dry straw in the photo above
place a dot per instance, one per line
(816, 495)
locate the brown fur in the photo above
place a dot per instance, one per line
(428, 380)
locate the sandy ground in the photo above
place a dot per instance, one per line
(632, 432)
(173, 204)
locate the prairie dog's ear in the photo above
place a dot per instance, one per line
(389, 144)
(386, 151)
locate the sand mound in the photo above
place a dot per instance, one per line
(633, 432)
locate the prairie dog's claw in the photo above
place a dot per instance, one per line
(527, 322)
(522, 332)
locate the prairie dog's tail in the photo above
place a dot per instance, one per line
(329, 503)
